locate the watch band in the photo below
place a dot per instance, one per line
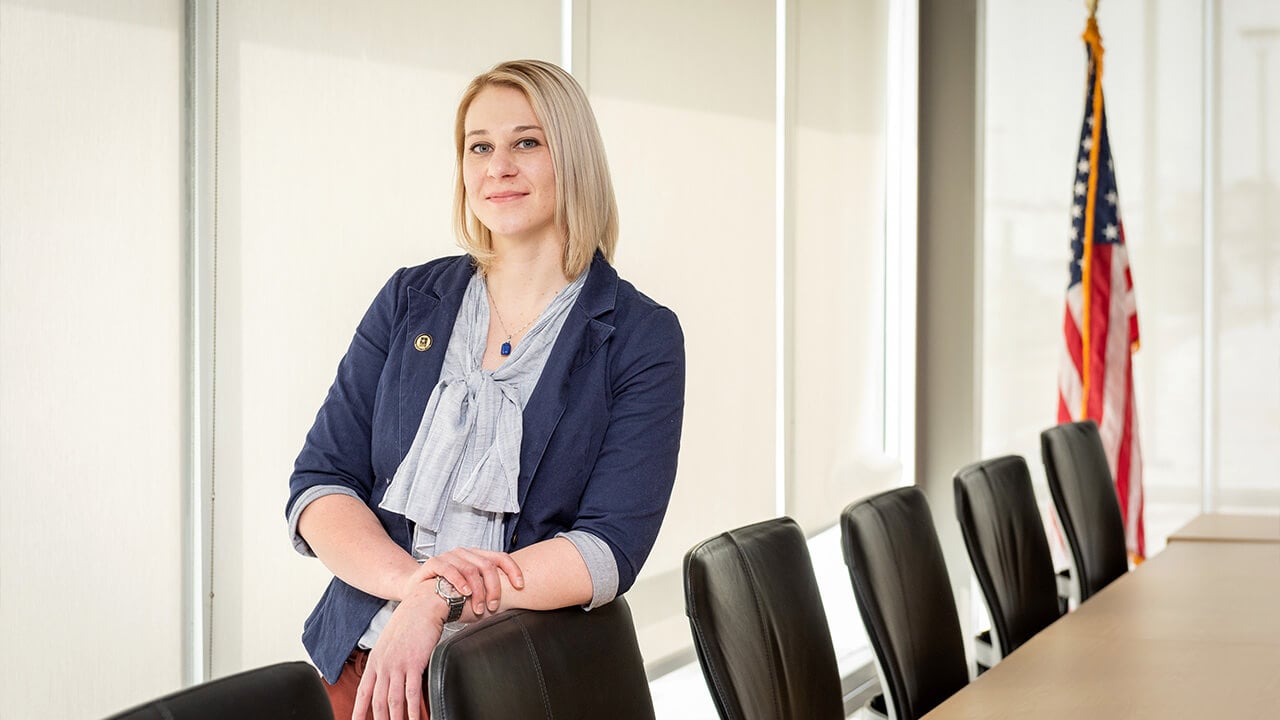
(456, 600)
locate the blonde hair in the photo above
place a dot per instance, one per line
(586, 210)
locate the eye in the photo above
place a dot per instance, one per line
(527, 144)
(481, 148)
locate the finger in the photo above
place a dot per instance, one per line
(363, 692)
(450, 567)
(413, 698)
(490, 574)
(491, 564)
(428, 571)
(501, 561)
(424, 572)
(380, 690)
(456, 578)
(482, 576)
(492, 591)
(510, 568)
(395, 697)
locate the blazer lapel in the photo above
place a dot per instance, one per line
(432, 311)
(582, 334)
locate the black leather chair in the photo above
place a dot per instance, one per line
(557, 664)
(759, 627)
(900, 582)
(1084, 496)
(287, 690)
(1002, 530)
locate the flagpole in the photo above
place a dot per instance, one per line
(1094, 40)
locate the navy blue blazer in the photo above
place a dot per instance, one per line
(601, 429)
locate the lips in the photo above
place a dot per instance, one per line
(505, 196)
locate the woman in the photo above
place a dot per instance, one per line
(505, 424)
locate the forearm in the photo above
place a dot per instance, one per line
(352, 544)
(555, 576)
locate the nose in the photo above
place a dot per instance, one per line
(501, 163)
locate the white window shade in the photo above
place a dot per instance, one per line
(1246, 335)
(685, 102)
(836, 231)
(91, 356)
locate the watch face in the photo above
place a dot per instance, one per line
(446, 590)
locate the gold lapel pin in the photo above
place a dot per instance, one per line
(422, 343)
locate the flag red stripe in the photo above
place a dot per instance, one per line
(1072, 333)
(1124, 462)
(1099, 320)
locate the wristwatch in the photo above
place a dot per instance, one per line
(455, 599)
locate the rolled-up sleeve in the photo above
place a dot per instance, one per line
(600, 565)
(308, 496)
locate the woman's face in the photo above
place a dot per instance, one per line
(506, 167)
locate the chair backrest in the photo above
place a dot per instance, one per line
(1000, 521)
(565, 663)
(286, 690)
(903, 593)
(1085, 498)
(759, 627)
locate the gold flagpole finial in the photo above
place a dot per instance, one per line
(1093, 7)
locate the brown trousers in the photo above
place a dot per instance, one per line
(342, 694)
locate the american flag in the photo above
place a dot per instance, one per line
(1095, 380)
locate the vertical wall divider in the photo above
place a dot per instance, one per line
(979, 218)
(1209, 321)
(575, 37)
(200, 205)
(784, 249)
(901, 157)
(566, 35)
(191, 620)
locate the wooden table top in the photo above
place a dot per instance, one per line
(1193, 632)
(1216, 527)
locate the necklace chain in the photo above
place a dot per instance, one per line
(506, 346)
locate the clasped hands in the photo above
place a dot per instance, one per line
(392, 682)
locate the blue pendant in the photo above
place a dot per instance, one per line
(506, 349)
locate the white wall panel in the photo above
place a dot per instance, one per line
(91, 268)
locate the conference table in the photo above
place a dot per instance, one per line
(1216, 527)
(1193, 632)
